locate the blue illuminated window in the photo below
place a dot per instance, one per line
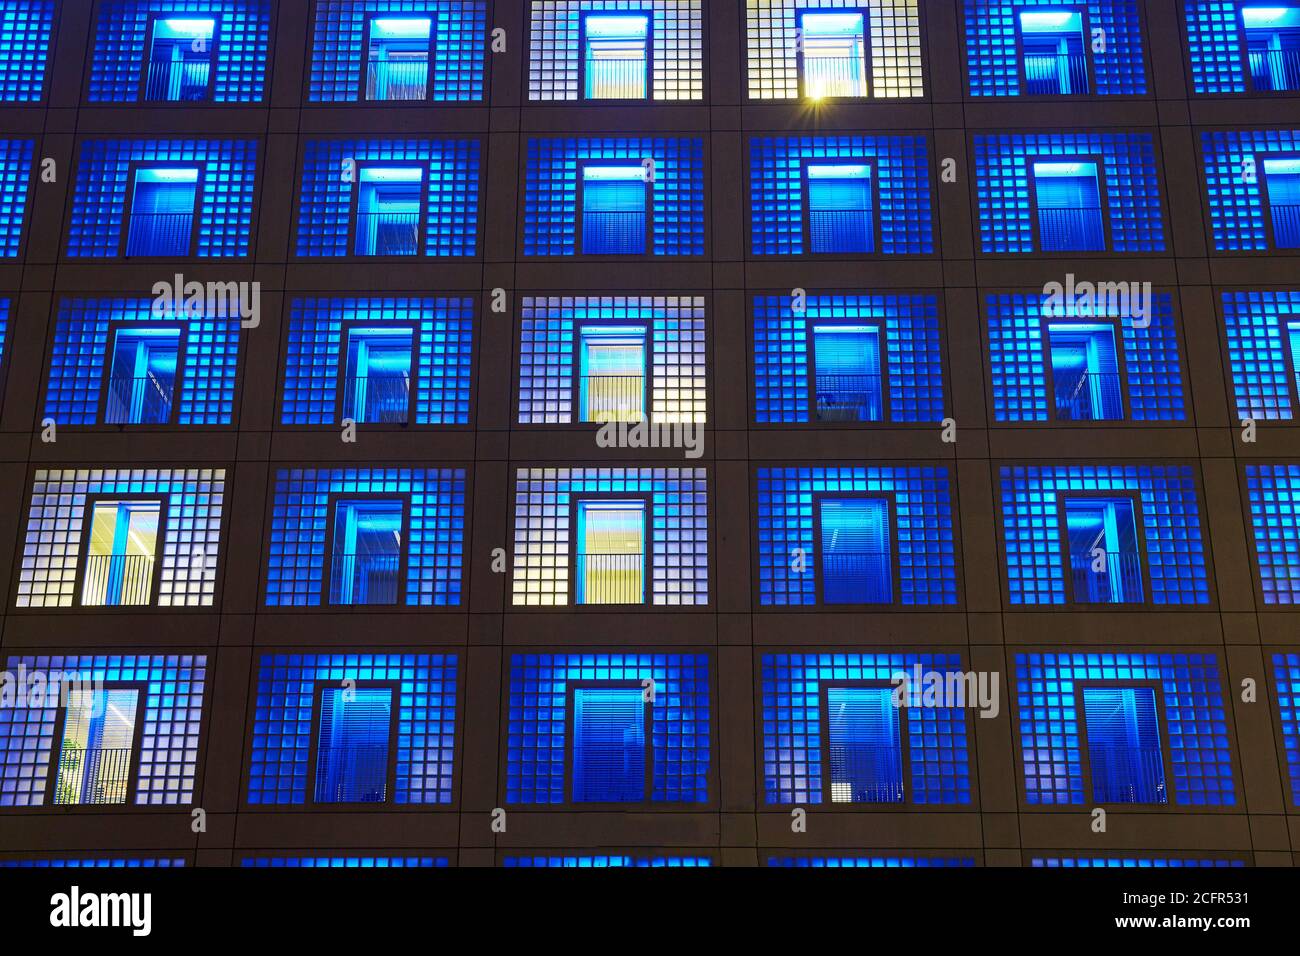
(1054, 43)
(121, 552)
(1282, 180)
(352, 745)
(609, 745)
(1126, 863)
(606, 862)
(388, 211)
(4, 329)
(611, 559)
(867, 862)
(833, 54)
(377, 379)
(1286, 673)
(180, 59)
(847, 377)
(25, 30)
(840, 209)
(397, 57)
(15, 176)
(95, 863)
(1272, 45)
(1105, 559)
(616, 57)
(865, 745)
(1253, 183)
(345, 862)
(1069, 207)
(857, 563)
(1124, 755)
(162, 212)
(1274, 494)
(1085, 372)
(366, 561)
(96, 753)
(142, 376)
(612, 369)
(614, 210)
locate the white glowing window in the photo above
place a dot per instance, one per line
(834, 55)
(615, 57)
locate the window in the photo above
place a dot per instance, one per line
(1069, 207)
(611, 552)
(834, 55)
(377, 376)
(616, 56)
(1105, 561)
(614, 210)
(98, 739)
(162, 212)
(612, 370)
(1291, 329)
(840, 209)
(1273, 46)
(865, 745)
(847, 380)
(120, 556)
(367, 553)
(1054, 45)
(857, 567)
(142, 376)
(1124, 745)
(388, 210)
(180, 60)
(1085, 372)
(1282, 177)
(397, 60)
(352, 746)
(609, 745)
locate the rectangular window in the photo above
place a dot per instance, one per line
(611, 552)
(1292, 329)
(377, 375)
(840, 215)
(162, 212)
(614, 217)
(1273, 46)
(1105, 560)
(1069, 207)
(1054, 44)
(352, 746)
(847, 379)
(95, 755)
(142, 376)
(857, 566)
(865, 744)
(367, 552)
(612, 366)
(834, 48)
(1124, 745)
(1085, 372)
(609, 745)
(1282, 177)
(389, 199)
(180, 60)
(616, 57)
(121, 553)
(397, 60)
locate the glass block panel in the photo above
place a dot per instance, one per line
(867, 862)
(1126, 863)
(1286, 674)
(25, 30)
(15, 176)
(1274, 495)
(344, 862)
(1238, 177)
(606, 861)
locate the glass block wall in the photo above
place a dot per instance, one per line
(440, 363)
(1286, 672)
(287, 691)
(457, 47)
(1126, 863)
(1152, 382)
(993, 57)
(1174, 555)
(449, 221)
(167, 755)
(240, 40)
(344, 862)
(901, 177)
(1274, 495)
(1126, 164)
(1216, 41)
(912, 360)
(605, 862)
(921, 532)
(1194, 729)
(678, 520)
(676, 46)
(794, 770)
(433, 539)
(192, 503)
(1259, 346)
(15, 177)
(94, 863)
(1235, 181)
(25, 30)
(675, 361)
(771, 40)
(223, 222)
(83, 334)
(679, 714)
(867, 862)
(4, 329)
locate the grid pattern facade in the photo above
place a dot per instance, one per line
(165, 761)
(1235, 179)
(1263, 381)
(1274, 495)
(537, 731)
(1216, 43)
(4, 328)
(424, 746)
(1125, 863)
(433, 537)
(93, 863)
(1194, 728)
(25, 30)
(605, 862)
(867, 862)
(794, 769)
(15, 175)
(1286, 673)
(343, 862)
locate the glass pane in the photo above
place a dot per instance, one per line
(840, 209)
(615, 63)
(377, 384)
(856, 562)
(834, 55)
(162, 212)
(366, 558)
(1085, 372)
(848, 381)
(120, 554)
(609, 745)
(142, 380)
(95, 755)
(352, 750)
(180, 60)
(866, 755)
(1104, 556)
(1124, 745)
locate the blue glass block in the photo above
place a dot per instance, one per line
(675, 202)
(1170, 514)
(96, 863)
(15, 176)
(1194, 727)
(539, 735)
(165, 759)
(901, 183)
(25, 30)
(1127, 863)
(4, 328)
(1286, 673)
(1262, 355)
(794, 768)
(993, 46)
(1274, 495)
(1237, 179)
(606, 862)
(288, 688)
(344, 862)
(922, 530)
(1217, 42)
(867, 862)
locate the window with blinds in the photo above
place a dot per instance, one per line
(1124, 753)
(352, 754)
(856, 561)
(609, 745)
(866, 749)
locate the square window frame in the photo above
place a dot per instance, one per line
(862, 9)
(580, 212)
(1139, 530)
(83, 551)
(895, 572)
(214, 53)
(137, 741)
(354, 209)
(134, 167)
(319, 689)
(403, 557)
(1103, 197)
(805, 199)
(182, 366)
(583, 16)
(1085, 751)
(1121, 362)
(1085, 28)
(570, 727)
